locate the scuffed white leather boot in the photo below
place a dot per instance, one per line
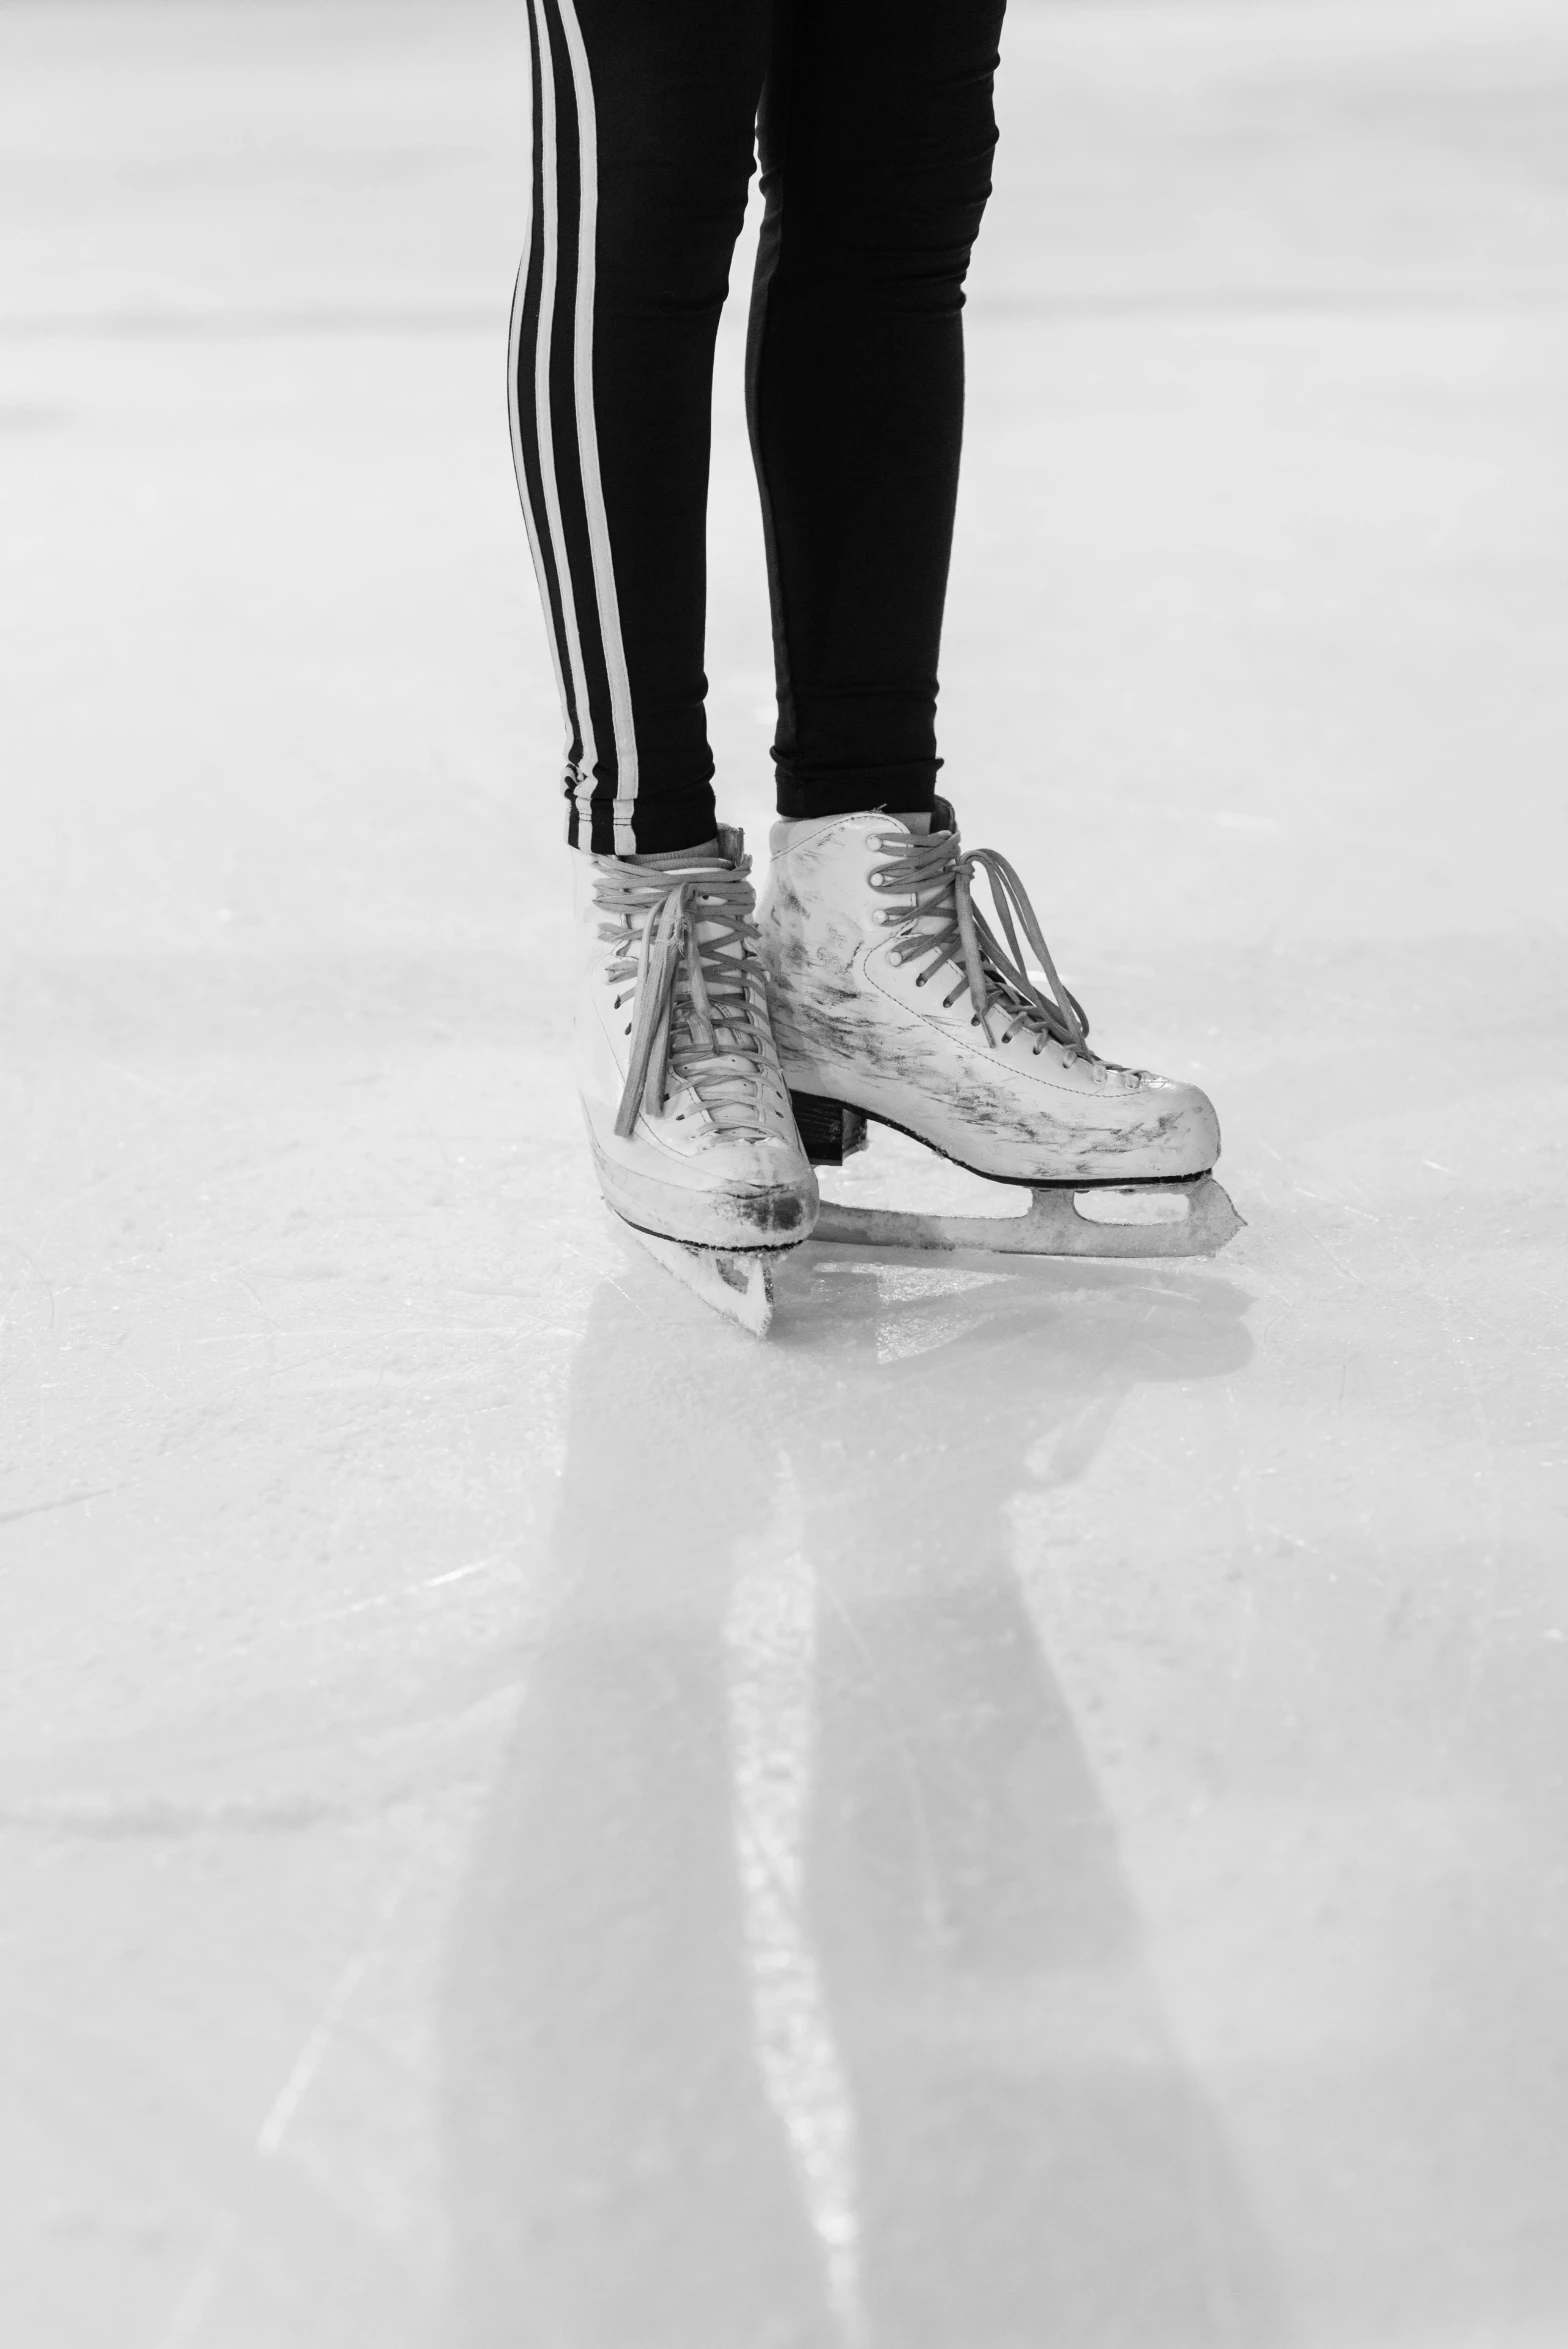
(894, 998)
(686, 1107)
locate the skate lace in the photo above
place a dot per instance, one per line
(686, 944)
(955, 936)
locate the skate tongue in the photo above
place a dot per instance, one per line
(688, 918)
(931, 823)
(675, 860)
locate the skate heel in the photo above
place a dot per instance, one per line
(830, 1131)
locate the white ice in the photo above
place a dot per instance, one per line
(1029, 1811)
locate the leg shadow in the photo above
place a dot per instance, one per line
(797, 1995)
(617, 2176)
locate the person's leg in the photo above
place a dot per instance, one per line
(877, 134)
(643, 123)
(643, 115)
(893, 997)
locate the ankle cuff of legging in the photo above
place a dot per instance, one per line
(904, 790)
(685, 821)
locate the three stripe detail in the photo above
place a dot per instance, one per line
(554, 440)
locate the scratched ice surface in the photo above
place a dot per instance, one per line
(1030, 1810)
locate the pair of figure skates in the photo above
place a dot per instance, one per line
(725, 1050)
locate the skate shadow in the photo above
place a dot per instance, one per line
(796, 1997)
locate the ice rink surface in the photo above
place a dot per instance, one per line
(1028, 1812)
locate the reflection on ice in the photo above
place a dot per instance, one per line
(770, 1632)
(798, 1996)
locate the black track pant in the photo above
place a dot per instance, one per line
(876, 132)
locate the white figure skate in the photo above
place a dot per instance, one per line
(685, 1103)
(895, 1000)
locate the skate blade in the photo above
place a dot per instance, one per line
(1193, 1218)
(738, 1285)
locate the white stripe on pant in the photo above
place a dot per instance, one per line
(572, 496)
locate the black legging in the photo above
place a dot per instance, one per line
(876, 134)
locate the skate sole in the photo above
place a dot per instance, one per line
(734, 1282)
(1152, 1215)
